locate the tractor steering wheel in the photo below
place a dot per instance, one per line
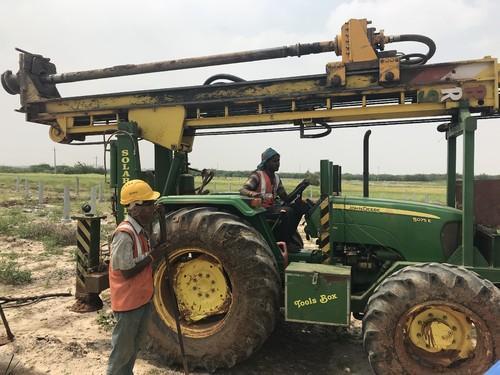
(297, 192)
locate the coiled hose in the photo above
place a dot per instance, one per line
(415, 58)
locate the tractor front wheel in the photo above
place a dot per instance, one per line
(227, 286)
(433, 318)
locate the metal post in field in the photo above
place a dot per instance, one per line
(55, 163)
(26, 188)
(310, 193)
(101, 193)
(66, 206)
(17, 184)
(77, 186)
(93, 202)
(40, 193)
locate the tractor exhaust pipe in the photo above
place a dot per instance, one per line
(366, 167)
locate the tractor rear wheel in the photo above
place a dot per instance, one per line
(433, 318)
(227, 285)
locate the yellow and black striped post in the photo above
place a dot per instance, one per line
(87, 263)
(324, 235)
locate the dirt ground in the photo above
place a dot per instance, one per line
(51, 339)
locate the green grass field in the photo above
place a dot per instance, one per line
(23, 216)
(432, 192)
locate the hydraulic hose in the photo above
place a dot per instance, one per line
(414, 58)
(223, 76)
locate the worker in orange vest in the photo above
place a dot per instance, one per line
(265, 183)
(131, 275)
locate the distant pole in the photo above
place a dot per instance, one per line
(93, 200)
(101, 193)
(26, 188)
(66, 207)
(17, 184)
(96, 162)
(55, 164)
(77, 186)
(40, 193)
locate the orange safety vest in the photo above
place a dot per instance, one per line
(266, 187)
(132, 293)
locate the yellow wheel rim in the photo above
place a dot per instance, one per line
(194, 272)
(440, 333)
(201, 289)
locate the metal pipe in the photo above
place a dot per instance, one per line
(325, 187)
(451, 175)
(173, 175)
(192, 62)
(337, 179)
(332, 179)
(468, 125)
(366, 166)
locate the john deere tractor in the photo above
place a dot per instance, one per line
(420, 276)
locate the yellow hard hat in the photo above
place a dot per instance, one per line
(137, 190)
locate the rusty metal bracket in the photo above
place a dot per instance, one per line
(389, 69)
(335, 74)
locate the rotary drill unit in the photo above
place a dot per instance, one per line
(420, 276)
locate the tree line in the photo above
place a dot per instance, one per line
(313, 177)
(78, 168)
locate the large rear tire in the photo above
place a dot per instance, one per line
(228, 288)
(433, 318)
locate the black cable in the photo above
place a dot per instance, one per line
(227, 77)
(415, 58)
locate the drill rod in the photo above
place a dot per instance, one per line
(192, 62)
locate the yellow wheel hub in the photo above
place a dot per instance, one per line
(437, 328)
(201, 289)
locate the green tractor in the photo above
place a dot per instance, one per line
(393, 264)
(421, 277)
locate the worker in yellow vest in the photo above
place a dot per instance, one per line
(131, 275)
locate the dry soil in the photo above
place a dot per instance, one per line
(51, 339)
